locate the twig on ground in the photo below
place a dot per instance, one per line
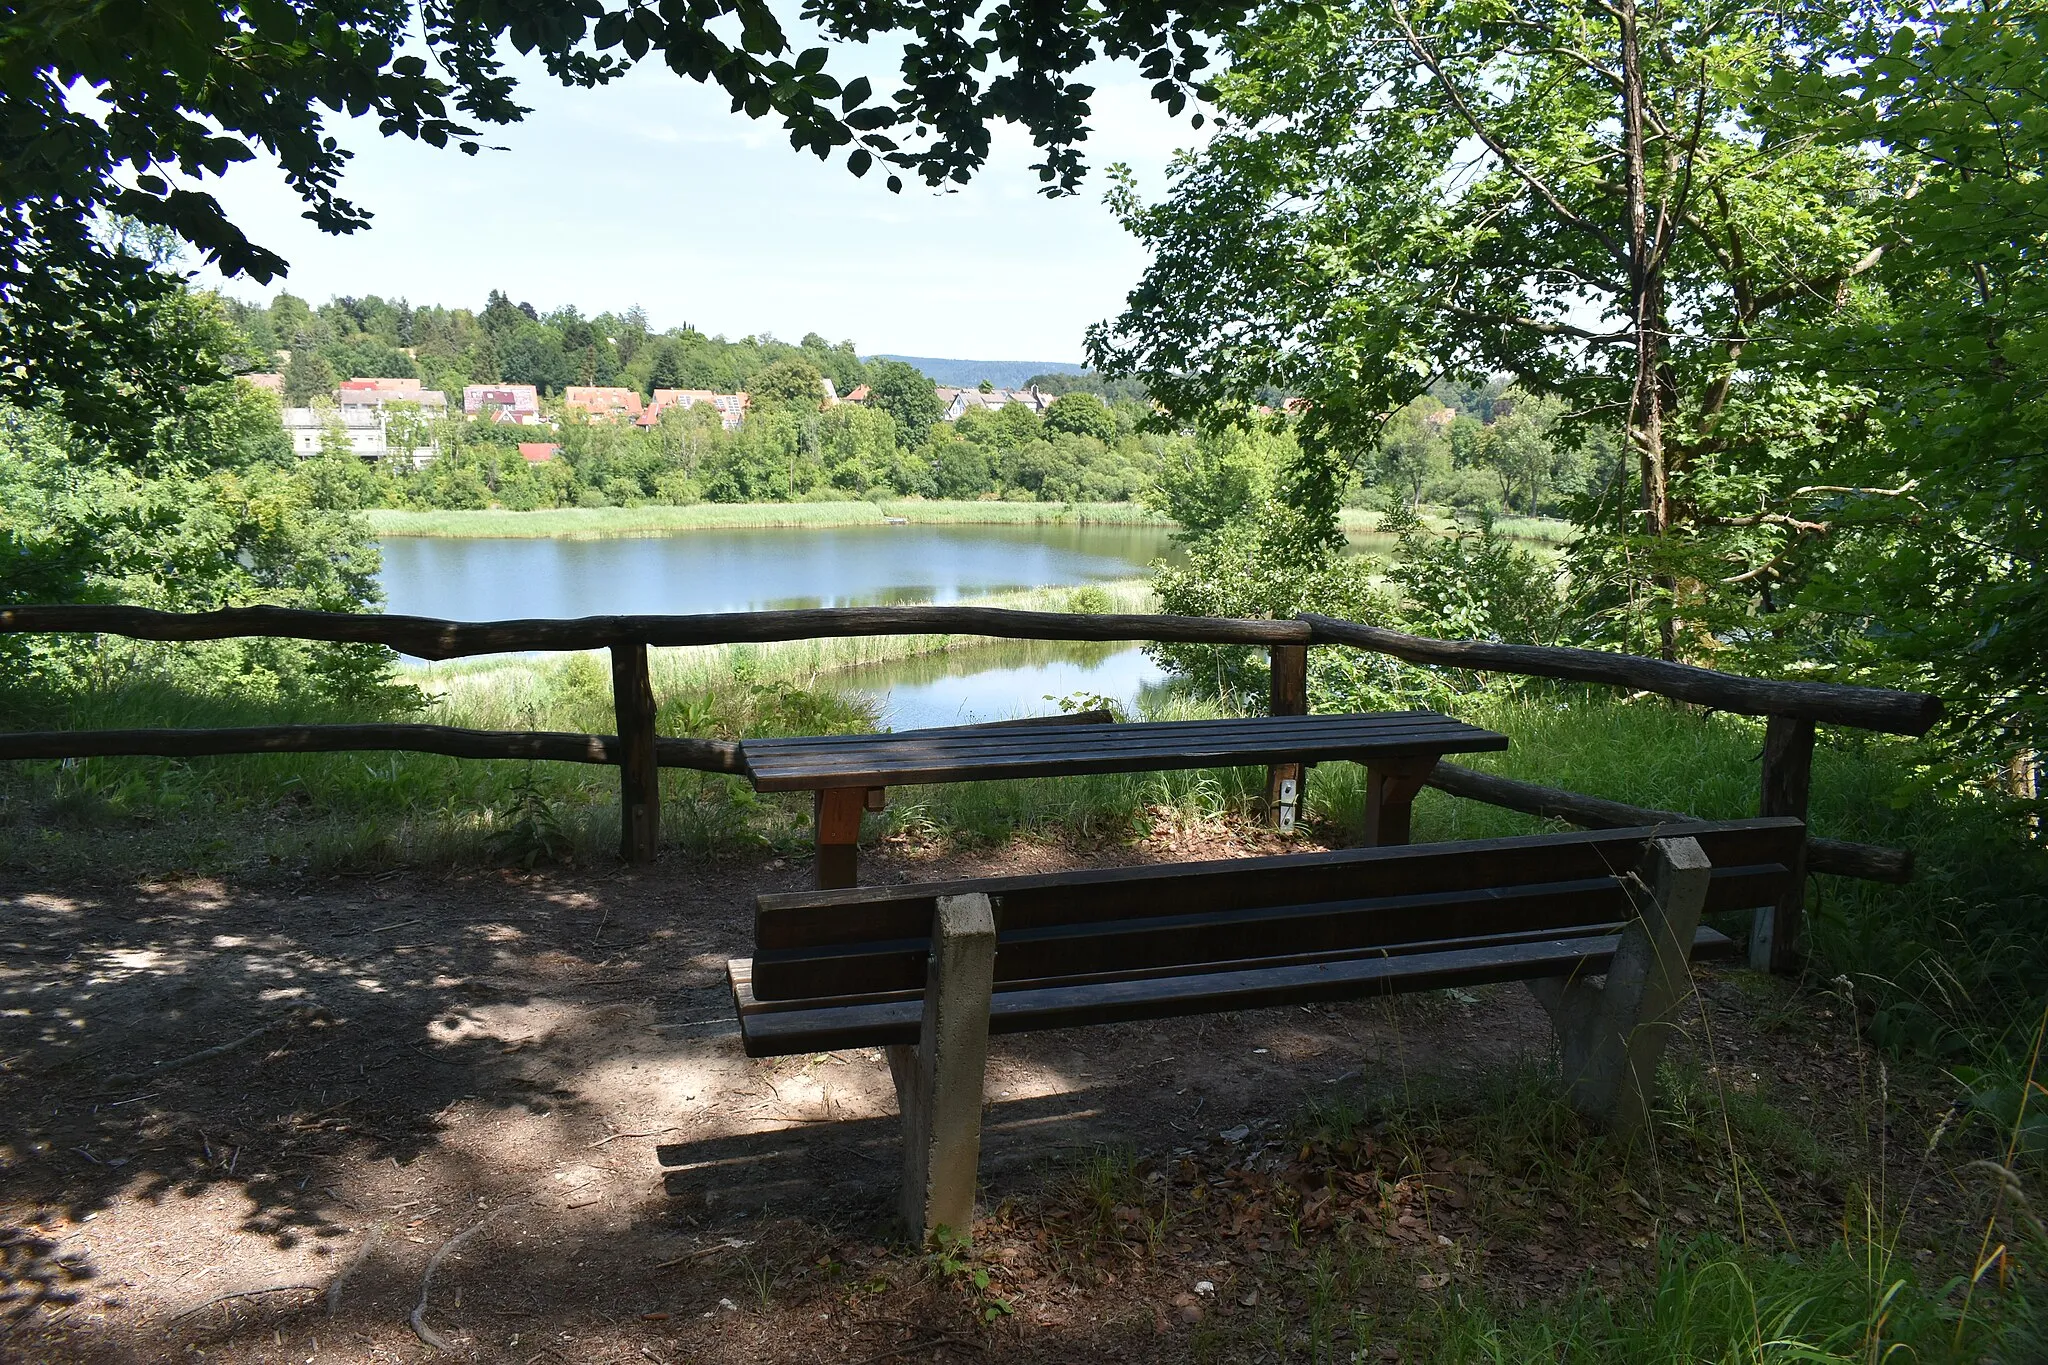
(419, 1312)
(907, 1347)
(386, 928)
(283, 1021)
(729, 1244)
(362, 1253)
(242, 1294)
(652, 1132)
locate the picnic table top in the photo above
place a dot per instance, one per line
(982, 753)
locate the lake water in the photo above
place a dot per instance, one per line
(768, 568)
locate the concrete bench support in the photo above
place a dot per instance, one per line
(938, 1082)
(1613, 1032)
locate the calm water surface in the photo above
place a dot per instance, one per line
(766, 568)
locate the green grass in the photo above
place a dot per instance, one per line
(597, 522)
(1361, 522)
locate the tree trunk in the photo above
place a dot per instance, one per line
(1646, 300)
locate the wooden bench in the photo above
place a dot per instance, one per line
(929, 971)
(850, 773)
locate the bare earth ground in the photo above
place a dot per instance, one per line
(544, 1066)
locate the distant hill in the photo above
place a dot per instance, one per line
(968, 374)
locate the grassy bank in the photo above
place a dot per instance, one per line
(597, 522)
(1545, 531)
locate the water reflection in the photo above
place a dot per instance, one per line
(1001, 681)
(791, 568)
(752, 569)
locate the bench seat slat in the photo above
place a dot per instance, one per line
(1132, 943)
(795, 920)
(743, 970)
(769, 1033)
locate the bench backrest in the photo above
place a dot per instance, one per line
(1136, 921)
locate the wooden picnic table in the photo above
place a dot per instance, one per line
(851, 773)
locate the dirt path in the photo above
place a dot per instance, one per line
(297, 1095)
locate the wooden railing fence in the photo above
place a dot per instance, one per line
(1793, 708)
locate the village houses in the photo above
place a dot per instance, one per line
(954, 402)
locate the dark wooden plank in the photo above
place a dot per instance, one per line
(800, 919)
(1231, 725)
(784, 765)
(1871, 708)
(1185, 941)
(1367, 724)
(1837, 857)
(782, 1032)
(776, 755)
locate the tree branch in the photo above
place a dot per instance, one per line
(1542, 328)
(1508, 159)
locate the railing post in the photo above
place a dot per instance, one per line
(1787, 776)
(1289, 697)
(639, 777)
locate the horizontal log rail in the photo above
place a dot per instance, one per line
(1906, 713)
(425, 637)
(1838, 857)
(705, 755)
(1866, 708)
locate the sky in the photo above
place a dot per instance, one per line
(649, 191)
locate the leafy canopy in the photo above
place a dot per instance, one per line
(125, 107)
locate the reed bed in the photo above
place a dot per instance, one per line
(594, 523)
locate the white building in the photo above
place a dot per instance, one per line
(957, 401)
(515, 403)
(365, 426)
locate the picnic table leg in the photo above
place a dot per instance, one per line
(1390, 788)
(836, 815)
(1612, 1032)
(939, 1081)
(1788, 774)
(1289, 697)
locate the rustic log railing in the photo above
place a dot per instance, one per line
(1793, 708)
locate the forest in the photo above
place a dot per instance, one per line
(1477, 446)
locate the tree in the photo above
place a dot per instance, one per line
(669, 371)
(1517, 447)
(501, 316)
(308, 376)
(907, 394)
(186, 88)
(533, 355)
(794, 384)
(1596, 202)
(1082, 414)
(1929, 537)
(1415, 448)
